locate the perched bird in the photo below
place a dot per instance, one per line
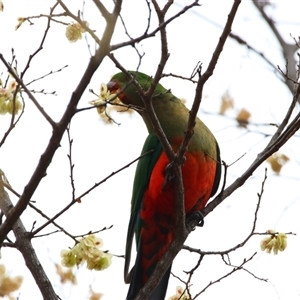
(152, 218)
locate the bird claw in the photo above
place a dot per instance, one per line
(195, 217)
(168, 174)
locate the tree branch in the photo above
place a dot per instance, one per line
(60, 127)
(288, 50)
(261, 157)
(24, 245)
(182, 232)
(153, 33)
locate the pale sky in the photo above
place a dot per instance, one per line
(98, 150)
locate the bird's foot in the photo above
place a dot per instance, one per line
(168, 174)
(195, 218)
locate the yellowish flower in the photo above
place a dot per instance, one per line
(14, 108)
(104, 262)
(3, 107)
(4, 94)
(12, 86)
(7, 102)
(65, 275)
(104, 97)
(20, 22)
(94, 295)
(282, 241)
(275, 242)
(8, 284)
(101, 109)
(180, 294)
(68, 258)
(87, 250)
(74, 32)
(93, 259)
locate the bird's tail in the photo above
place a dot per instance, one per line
(136, 281)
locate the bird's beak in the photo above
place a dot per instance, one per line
(113, 87)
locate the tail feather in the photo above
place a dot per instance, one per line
(136, 282)
(159, 292)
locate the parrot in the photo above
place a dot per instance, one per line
(152, 219)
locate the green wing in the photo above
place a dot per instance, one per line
(218, 172)
(141, 180)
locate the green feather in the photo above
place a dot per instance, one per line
(173, 117)
(172, 114)
(142, 175)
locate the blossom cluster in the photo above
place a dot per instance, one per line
(276, 242)
(9, 102)
(87, 250)
(180, 294)
(74, 32)
(104, 97)
(8, 284)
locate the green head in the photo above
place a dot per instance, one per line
(168, 108)
(172, 114)
(123, 85)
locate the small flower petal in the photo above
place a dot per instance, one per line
(68, 258)
(20, 22)
(104, 262)
(87, 250)
(74, 32)
(274, 242)
(104, 97)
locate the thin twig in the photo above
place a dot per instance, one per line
(227, 251)
(70, 140)
(59, 130)
(44, 76)
(235, 269)
(182, 233)
(79, 199)
(24, 87)
(153, 33)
